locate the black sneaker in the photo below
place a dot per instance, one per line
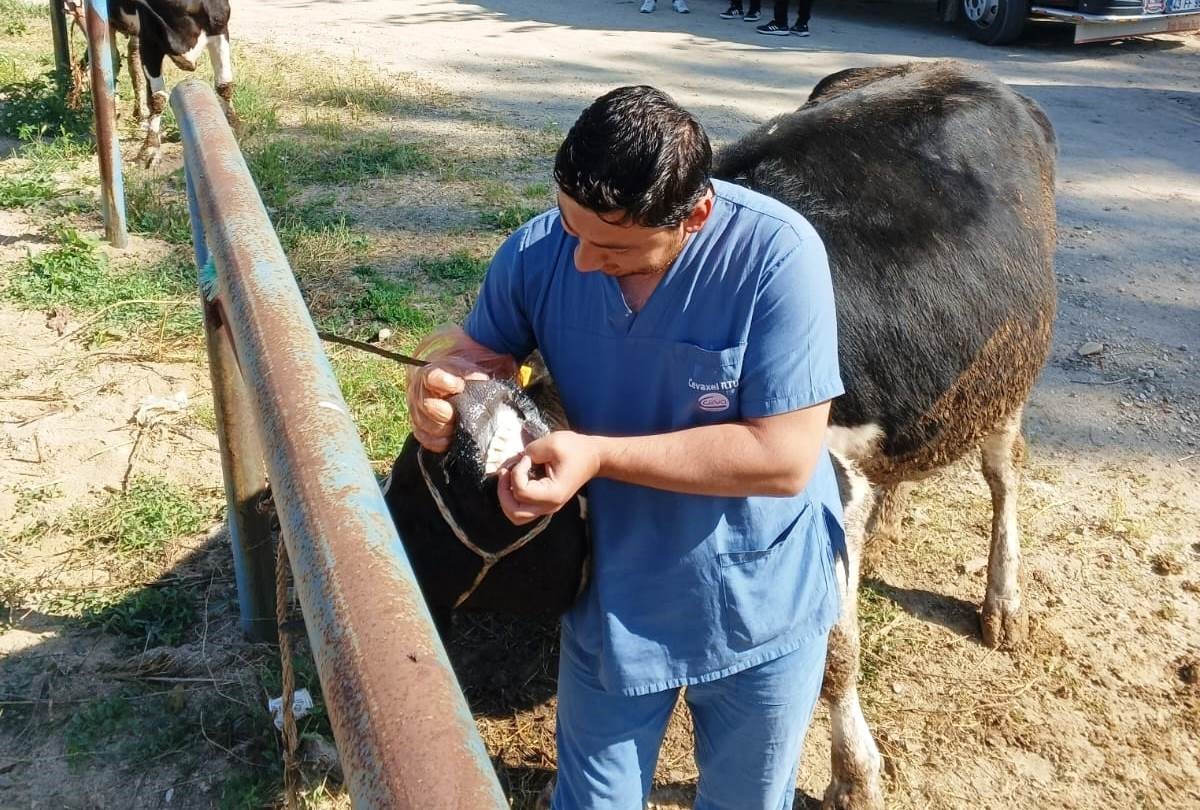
(800, 29)
(731, 13)
(773, 29)
(752, 16)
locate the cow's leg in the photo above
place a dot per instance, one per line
(883, 526)
(151, 150)
(1003, 618)
(855, 758)
(137, 77)
(222, 62)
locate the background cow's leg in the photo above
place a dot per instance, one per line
(883, 526)
(222, 62)
(152, 146)
(1003, 619)
(137, 77)
(855, 758)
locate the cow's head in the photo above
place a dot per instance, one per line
(449, 517)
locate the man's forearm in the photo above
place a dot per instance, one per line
(774, 456)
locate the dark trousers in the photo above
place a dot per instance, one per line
(803, 11)
(755, 5)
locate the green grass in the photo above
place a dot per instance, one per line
(143, 519)
(152, 617)
(374, 390)
(157, 207)
(284, 163)
(391, 302)
(33, 103)
(93, 728)
(535, 191)
(250, 789)
(875, 611)
(510, 217)
(25, 191)
(76, 275)
(16, 17)
(458, 266)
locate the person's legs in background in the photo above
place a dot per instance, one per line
(778, 26)
(803, 13)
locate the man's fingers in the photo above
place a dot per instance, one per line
(440, 382)
(431, 442)
(518, 513)
(436, 410)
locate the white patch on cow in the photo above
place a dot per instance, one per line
(854, 443)
(1004, 561)
(218, 54)
(507, 440)
(187, 59)
(158, 86)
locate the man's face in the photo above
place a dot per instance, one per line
(617, 248)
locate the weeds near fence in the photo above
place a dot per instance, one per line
(342, 158)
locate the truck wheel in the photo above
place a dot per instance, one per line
(995, 22)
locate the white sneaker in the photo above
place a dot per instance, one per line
(680, 6)
(648, 6)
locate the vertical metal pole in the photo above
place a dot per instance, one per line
(241, 459)
(245, 483)
(62, 45)
(108, 148)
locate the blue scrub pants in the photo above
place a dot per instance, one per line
(750, 730)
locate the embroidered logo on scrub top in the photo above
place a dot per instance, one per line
(713, 402)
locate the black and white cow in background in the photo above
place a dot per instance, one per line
(932, 186)
(180, 30)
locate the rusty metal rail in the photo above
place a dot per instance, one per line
(403, 729)
(108, 146)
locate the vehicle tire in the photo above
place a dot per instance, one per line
(995, 22)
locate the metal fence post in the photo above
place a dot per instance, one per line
(62, 45)
(405, 735)
(241, 460)
(108, 147)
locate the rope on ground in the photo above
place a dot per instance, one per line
(290, 736)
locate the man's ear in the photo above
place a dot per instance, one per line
(700, 213)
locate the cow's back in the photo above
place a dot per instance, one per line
(931, 185)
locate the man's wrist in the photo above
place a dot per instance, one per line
(602, 454)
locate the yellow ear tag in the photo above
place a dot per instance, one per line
(524, 375)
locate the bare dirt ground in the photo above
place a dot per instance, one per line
(1102, 708)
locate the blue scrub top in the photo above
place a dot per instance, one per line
(686, 588)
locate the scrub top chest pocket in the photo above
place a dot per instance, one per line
(708, 381)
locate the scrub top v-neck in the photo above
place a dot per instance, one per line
(686, 588)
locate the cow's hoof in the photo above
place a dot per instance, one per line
(151, 151)
(150, 156)
(1004, 623)
(842, 795)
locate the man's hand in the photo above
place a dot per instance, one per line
(564, 461)
(432, 416)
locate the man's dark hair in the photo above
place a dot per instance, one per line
(635, 150)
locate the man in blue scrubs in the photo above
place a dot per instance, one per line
(689, 325)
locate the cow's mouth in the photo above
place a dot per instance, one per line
(496, 420)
